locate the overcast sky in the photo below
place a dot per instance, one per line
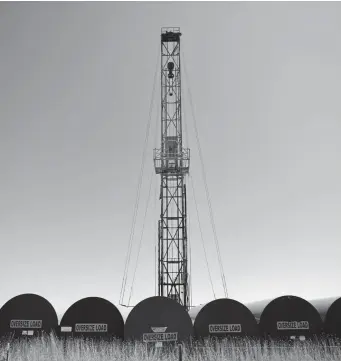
(76, 86)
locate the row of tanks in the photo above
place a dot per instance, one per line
(162, 320)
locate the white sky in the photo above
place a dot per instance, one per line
(76, 81)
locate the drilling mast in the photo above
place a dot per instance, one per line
(171, 161)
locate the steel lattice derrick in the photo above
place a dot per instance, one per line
(172, 163)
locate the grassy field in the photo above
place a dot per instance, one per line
(51, 349)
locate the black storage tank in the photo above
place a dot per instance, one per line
(27, 315)
(158, 319)
(93, 317)
(290, 317)
(223, 318)
(332, 322)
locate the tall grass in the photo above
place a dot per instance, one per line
(50, 348)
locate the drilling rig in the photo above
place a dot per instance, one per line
(171, 161)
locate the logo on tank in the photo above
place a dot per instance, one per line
(292, 325)
(26, 324)
(91, 327)
(160, 335)
(225, 328)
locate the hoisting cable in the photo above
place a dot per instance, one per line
(197, 212)
(132, 230)
(156, 238)
(156, 229)
(190, 258)
(183, 119)
(141, 237)
(146, 210)
(201, 237)
(205, 181)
